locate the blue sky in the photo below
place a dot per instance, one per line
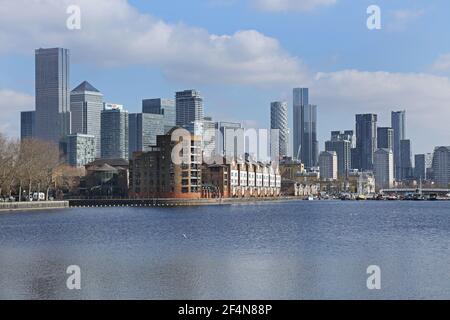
(242, 55)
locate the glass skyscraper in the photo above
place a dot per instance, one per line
(279, 121)
(398, 124)
(86, 105)
(52, 67)
(143, 130)
(385, 138)
(114, 136)
(301, 98)
(306, 146)
(366, 141)
(165, 107)
(189, 108)
(341, 143)
(27, 125)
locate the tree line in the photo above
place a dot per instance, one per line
(28, 166)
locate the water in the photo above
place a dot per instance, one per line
(294, 250)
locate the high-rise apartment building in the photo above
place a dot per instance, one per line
(328, 164)
(366, 141)
(86, 105)
(405, 160)
(384, 168)
(52, 70)
(385, 137)
(423, 164)
(441, 167)
(341, 143)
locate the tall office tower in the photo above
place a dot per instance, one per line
(52, 94)
(189, 108)
(230, 141)
(384, 168)
(341, 143)
(279, 121)
(86, 105)
(143, 128)
(309, 144)
(366, 140)
(441, 167)
(422, 166)
(114, 132)
(165, 107)
(80, 149)
(27, 125)
(385, 137)
(301, 100)
(398, 124)
(405, 160)
(206, 130)
(328, 163)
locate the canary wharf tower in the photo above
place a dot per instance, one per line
(52, 94)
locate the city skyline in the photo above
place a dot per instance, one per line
(337, 72)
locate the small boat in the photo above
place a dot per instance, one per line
(361, 197)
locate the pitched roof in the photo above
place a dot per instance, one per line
(85, 86)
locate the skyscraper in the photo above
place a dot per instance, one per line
(384, 168)
(441, 166)
(189, 108)
(306, 145)
(279, 121)
(422, 166)
(328, 164)
(114, 135)
(341, 143)
(166, 107)
(398, 124)
(385, 137)
(366, 140)
(301, 100)
(27, 125)
(86, 105)
(405, 160)
(143, 130)
(52, 94)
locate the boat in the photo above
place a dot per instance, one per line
(361, 197)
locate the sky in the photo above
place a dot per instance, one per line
(242, 55)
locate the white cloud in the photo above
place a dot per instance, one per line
(115, 33)
(288, 5)
(11, 104)
(399, 20)
(442, 63)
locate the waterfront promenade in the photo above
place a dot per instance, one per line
(32, 205)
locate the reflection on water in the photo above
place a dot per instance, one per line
(296, 250)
